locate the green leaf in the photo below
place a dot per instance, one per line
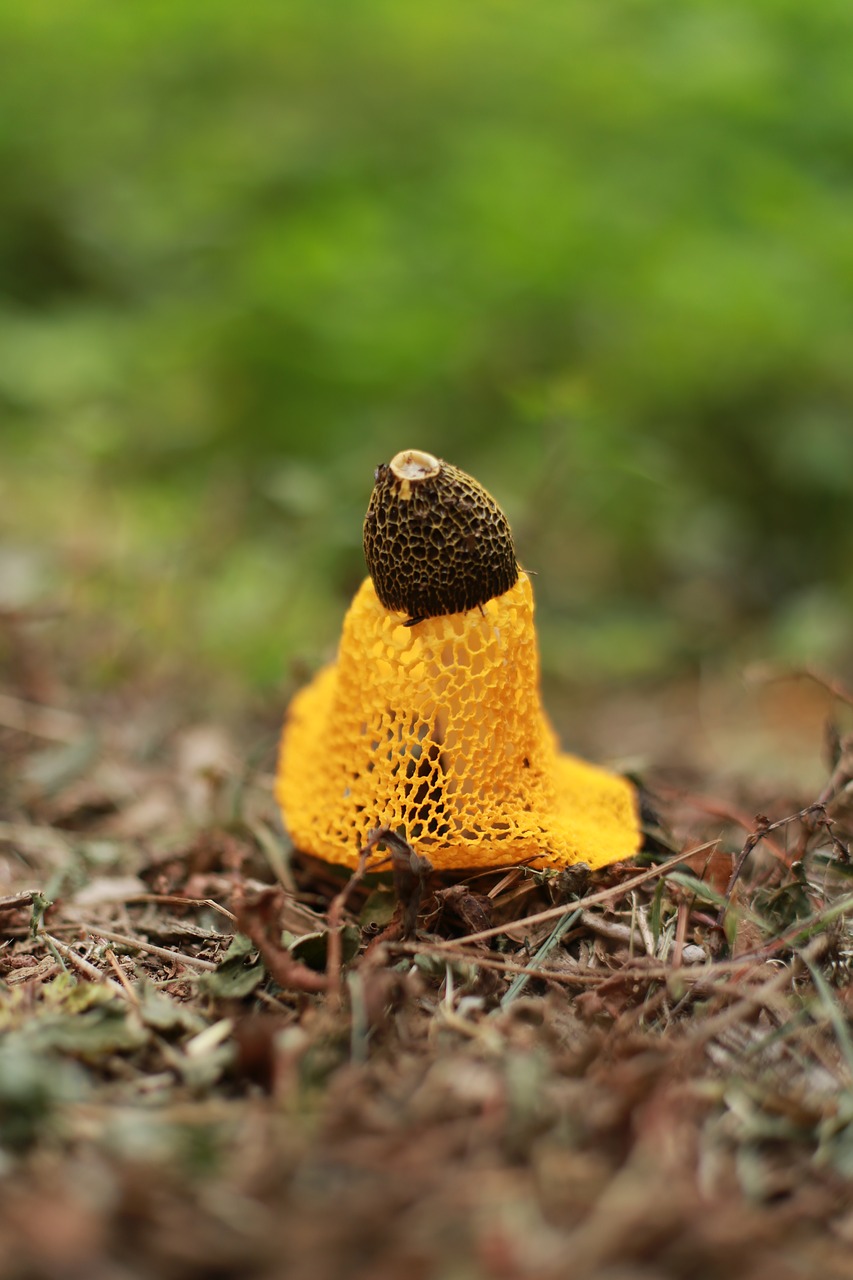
(92, 1035)
(161, 1013)
(234, 978)
(33, 1087)
(378, 910)
(313, 948)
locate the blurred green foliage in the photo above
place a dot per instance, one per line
(600, 254)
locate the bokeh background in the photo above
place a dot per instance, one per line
(599, 254)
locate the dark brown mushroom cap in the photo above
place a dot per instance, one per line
(435, 541)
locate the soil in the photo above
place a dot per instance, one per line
(220, 1058)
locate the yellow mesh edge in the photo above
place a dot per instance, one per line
(437, 731)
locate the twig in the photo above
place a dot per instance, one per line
(162, 952)
(737, 969)
(719, 809)
(96, 975)
(610, 929)
(680, 933)
(763, 826)
(121, 975)
(258, 919)
(643, 926)
(822, 819)
(505, 882)
(591, 899)
(49, 965)
(334, 918)
(13, 900)
(752, 998)
(175, 899)
(562, 976)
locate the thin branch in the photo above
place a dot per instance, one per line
(258, 919)
(89, 970)
(175, 899)
(763, 827)
(334, 919)
(121, 975)
(591, 899)
(13, 900)
(162, 953)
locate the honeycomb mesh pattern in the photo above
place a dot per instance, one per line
(437, 545)
(437, 732)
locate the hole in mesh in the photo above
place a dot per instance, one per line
(426, 792)
(420, 763)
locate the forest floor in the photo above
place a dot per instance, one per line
(220, 1058)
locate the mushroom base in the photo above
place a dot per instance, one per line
(437, 731)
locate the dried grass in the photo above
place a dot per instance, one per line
(221, 1058)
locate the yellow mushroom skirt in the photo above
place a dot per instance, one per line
(437, 731)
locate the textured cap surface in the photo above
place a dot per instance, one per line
(437, 731)
(435, 541)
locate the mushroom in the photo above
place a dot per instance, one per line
(430, 721)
